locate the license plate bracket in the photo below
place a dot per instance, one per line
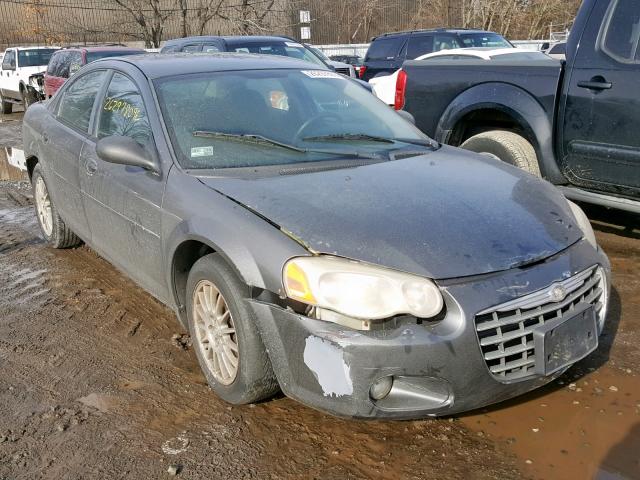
(563, 341)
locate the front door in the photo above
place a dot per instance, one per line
(600, 140)
(123, 203)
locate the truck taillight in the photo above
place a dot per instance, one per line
(362, 70)
(401, 86)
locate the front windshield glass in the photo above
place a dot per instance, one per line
(37, 57)
(277, 117)
(476, 40)
(282, 48)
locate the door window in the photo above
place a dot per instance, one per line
(78, 99)
(123, 111)
(419, 45)
(192, 48)
(74, 63)
(210, 48)
(622, 31)
(446, 42)
(9, 60)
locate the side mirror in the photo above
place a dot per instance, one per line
(125, 151)
(407, 116)
(331, 67)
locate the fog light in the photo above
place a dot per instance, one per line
(381, 388)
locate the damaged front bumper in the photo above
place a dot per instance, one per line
(437, 368)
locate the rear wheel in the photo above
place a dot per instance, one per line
(507, 146)
(224, 333)
(7, 107)
(52, 226)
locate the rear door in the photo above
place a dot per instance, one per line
(599, 138)
(63, 141)
(385, 56)
(123, 203)
(419, 44)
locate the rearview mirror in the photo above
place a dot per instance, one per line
(125, 151)
(407, 116)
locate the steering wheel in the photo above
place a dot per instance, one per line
(314, 120)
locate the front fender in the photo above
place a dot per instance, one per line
(256, 249)
(515, 102)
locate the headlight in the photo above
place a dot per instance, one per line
(358, 290)
(584, 224)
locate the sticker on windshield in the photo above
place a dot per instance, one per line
(201, 152)
(293, 44)
(321, 74)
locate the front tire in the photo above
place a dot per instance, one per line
(507, 146)
(224, 333)
(53, 228)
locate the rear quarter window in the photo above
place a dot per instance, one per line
(385, 48)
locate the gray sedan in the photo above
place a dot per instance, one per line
(314, 241)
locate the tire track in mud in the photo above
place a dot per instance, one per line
(92, 386)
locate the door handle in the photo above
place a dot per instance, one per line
(91, 166)
(596, 83)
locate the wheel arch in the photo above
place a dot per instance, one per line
(31, 162)
(499, 106)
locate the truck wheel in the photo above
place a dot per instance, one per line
(7, 107)
(224, 333)
(52, 226)
(506, 146)
(27, 99)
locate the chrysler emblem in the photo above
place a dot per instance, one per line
(557, 293)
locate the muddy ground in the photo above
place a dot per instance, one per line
(97, 380)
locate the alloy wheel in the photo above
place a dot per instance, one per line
(43, 206)
(215, 331)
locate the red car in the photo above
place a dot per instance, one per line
(68, 61)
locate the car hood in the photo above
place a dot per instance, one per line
(446, 214)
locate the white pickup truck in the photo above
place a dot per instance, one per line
(18, 64)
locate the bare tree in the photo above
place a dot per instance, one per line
(149, 16)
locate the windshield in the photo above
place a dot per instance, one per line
(278, 117)
(35, 58)
(282, 48)
(93, 56)
(484, 39)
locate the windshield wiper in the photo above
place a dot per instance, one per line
(349, 136)
(250, 138)
(372, 138)
(259, 139)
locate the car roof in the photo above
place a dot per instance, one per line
(33, 48)
(483, 52)
(103, 48)
(230, 39)
(431, 30)
(157, 65)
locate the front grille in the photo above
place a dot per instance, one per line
(505, 332)
(344, 71)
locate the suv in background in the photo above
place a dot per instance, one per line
(65, 63)
(18, 65)
(353, 60)
(388, 52)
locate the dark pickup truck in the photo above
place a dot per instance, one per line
(575, 123)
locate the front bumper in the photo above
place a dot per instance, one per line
(438, 368)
